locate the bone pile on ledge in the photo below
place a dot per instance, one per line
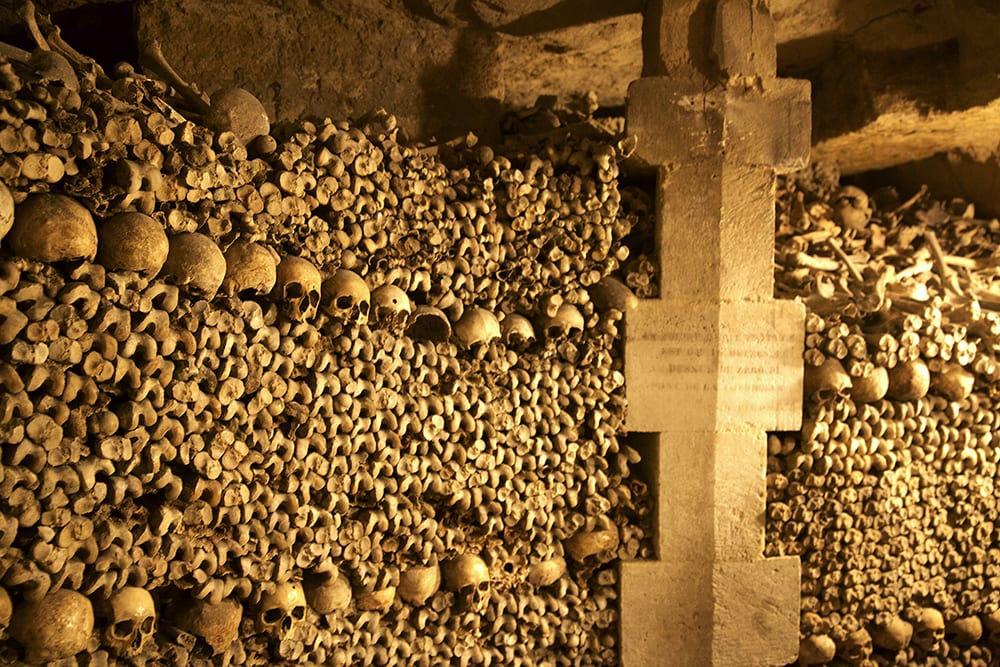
(325, 397)
(888, 495)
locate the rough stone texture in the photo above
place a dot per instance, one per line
(894, 80)
(338, 61)
(754, 625)
(603, 56)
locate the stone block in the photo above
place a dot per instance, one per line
(716, 223)
(756, 613)
(766, 122)
(745, 43)
(666, 613)
(712, 484)
(739, 497)
(674, 122)
(770, 124)
(710, 366)
(685, 529)
(745, 615)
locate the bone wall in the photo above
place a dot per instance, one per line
(271, 460)
(888, 495)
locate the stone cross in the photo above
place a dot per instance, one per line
(715, 362)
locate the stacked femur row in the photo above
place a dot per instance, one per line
(888, 493)
(315, 395)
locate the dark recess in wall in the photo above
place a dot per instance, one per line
(104, 32)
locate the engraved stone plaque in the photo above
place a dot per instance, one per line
(714, 366)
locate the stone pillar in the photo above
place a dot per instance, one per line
(715, 362)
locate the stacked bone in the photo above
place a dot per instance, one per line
(220, 441)
(888, 493)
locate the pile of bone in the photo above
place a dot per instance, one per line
(345, 401)
(888, 493)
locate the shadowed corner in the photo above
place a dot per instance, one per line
(466, 93)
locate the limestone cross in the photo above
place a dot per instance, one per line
(715, 362)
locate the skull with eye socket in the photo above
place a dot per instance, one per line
(390, 307)
(468, 576)
(517, 331)
(282, 610)
(347, 297)
(297, 288)
(928, 629)
(566, 323)
(131, 618)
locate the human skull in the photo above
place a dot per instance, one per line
(870, 387)
(195, 263)
(856, 647)
(237, 110)
(909, 381)
(131, 621)
(517, 331)
(390, 307)
(282, 610)
(132, 241)
(893, 634)
(965, 631)
(991, 623)
(6, 610)
(50, 227)
(477, 326)
(826, 381)
(52, 66)
(547, 572)
(251, 269)
(566, 323)
(327, 592)
(469, 578)
(851, 207)
(928, 629)
(612, 294)
(953, 382)
(429, 323)
(380, 599)
(816, 650)
(297, 289)
(418, 583)
(585, 544)
(216, 624)
(57, 626)
(6, 210)
(347, 297)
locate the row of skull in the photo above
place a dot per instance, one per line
(62, 623)
(55, 228)
(926, 630)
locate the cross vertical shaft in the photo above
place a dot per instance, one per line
(715, 362)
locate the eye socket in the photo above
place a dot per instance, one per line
(272, 616)
(123, 629)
